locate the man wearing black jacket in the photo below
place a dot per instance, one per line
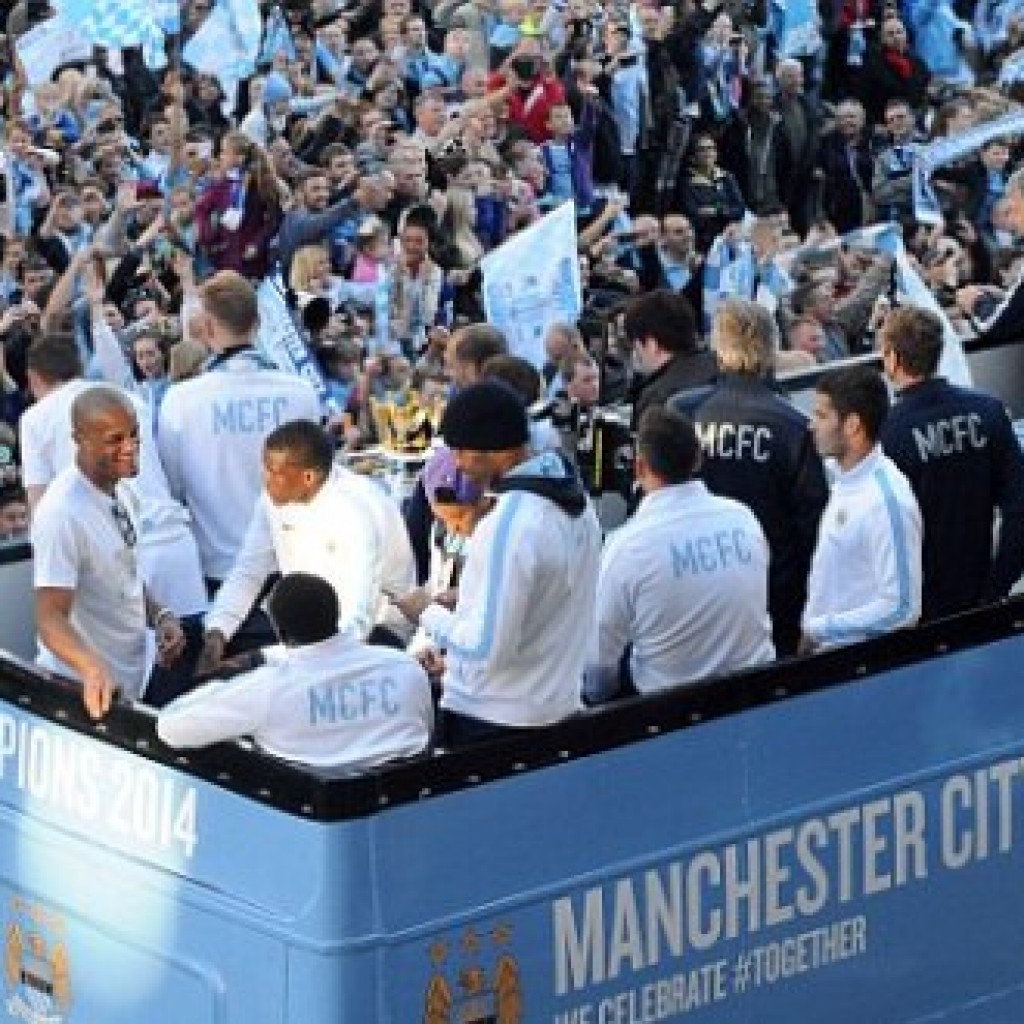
(958, 450)
(757, 449)
(663, 333)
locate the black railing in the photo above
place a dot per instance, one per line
(334, 796)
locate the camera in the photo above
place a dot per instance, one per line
(605, 451)
(599, 438)
(985, 307)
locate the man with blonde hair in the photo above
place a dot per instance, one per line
(744, 337)
(212, 427)
(758, 450)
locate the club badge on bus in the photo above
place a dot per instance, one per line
(37, 970)
(475, 980)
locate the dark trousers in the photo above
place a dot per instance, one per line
(165, 684)
(256, 632)
(456, 730)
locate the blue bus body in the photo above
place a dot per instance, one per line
(838, 839)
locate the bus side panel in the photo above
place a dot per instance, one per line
(176, 823)
(99, 938)
(165, 899)
(852, 855)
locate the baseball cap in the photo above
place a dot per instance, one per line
(445, 484)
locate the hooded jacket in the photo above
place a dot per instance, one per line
(522, 630)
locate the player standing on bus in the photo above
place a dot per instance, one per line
(866, 573)
(517, 641)
(958, 449)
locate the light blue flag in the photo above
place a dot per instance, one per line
(277, 37)
(909, 288)
(1012, 69)
(728, 273)
(118, 25)
(168, 16)
(795, 27)
(330, 64)
(532, 281)
(935, 26)
(992, 20)
(227, 44)
(280, 341)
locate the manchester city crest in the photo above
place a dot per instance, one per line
(475, 981)
(37, 972)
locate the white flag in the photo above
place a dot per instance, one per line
(533, 281)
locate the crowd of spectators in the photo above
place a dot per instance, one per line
(384, 147)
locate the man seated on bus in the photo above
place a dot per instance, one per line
(326, 699)
(683, 591)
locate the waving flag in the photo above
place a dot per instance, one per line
(118, 25)
(1012, 68)
(227, 44)
(168, 15)
(728, 272)
(532, 281)
(278, 38)
(279, 339)
(909, 288)
(796, 27)
(992, 21)
(936, 30)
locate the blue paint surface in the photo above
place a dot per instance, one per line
(872, 832)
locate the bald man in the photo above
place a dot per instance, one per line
(91, 606)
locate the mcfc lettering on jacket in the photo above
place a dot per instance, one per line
(735, 441)
(757, 450)
(958, 450)
(951, 436)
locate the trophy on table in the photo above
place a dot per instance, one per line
(406, 426)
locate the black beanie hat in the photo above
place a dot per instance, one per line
(485, 417)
